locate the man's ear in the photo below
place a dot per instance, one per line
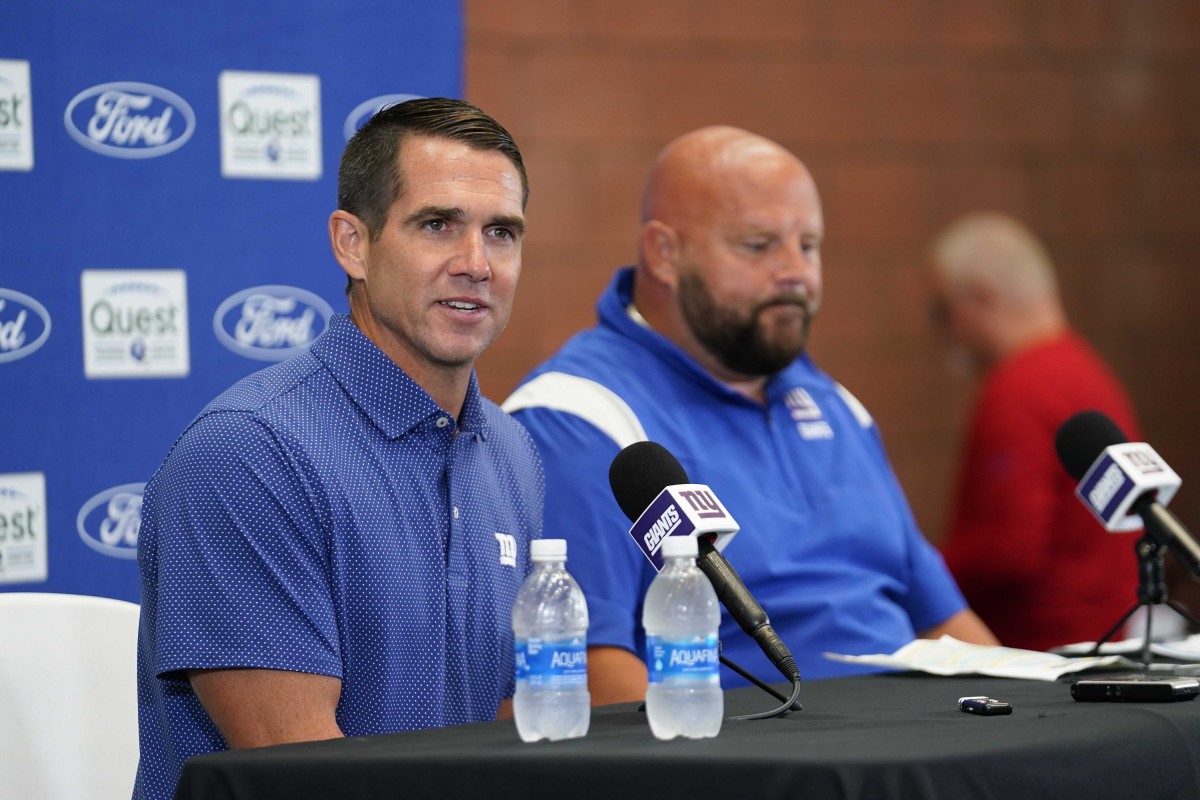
(351, 243)
(659, 244)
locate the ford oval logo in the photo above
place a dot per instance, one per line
(129, 120)
(24, 325)
(110, 521)
(271, 323)
(369, 108)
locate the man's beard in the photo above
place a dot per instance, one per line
(741, 343)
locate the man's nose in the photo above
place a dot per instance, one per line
(799, 266)
(472, 259)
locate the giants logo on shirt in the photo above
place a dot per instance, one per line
(801, 405)
(508, 549)
(807, 415)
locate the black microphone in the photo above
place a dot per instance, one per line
(1117, 477)
(637, 475)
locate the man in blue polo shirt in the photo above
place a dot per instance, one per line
(701, 347)
(334, 544)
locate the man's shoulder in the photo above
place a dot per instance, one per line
(596, 369)
(584, 398)
(252, 407)
(506, 431)
(258, 390)
(598, 353)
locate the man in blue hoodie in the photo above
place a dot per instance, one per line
(702, 347)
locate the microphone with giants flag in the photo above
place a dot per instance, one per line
(652, 488)
(1120, 481)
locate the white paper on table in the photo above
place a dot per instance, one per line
(1187, 649)
(949, 656)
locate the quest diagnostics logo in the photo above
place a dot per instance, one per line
(270, 323)
(109, 522)
(135, 323)
(24, 325)
(129, 120)
(270, 125)
(23, 527)
(16, 116)
(369, 108)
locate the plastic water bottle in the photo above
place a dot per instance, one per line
(550, 622)
(681, 617)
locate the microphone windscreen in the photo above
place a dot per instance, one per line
(640, 472)
(1082, 438)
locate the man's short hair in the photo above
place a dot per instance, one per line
(369, 178)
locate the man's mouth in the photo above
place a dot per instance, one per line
(787, 302)
(460, 305)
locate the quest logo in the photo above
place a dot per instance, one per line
(24, 325)
(23, 527)
(135, 323)
(16, 116)
(270, 125)
(270, 323)
(109, 522)
(369, 108)
(129, 120)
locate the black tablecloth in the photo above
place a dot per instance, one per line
(893, 736)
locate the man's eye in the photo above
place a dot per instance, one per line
(436, 224)
(502, 233)
(757, 245)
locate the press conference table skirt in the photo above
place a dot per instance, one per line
(877, 736)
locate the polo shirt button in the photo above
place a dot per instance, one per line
(442, 422)
(456, 512)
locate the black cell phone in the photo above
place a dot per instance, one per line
(1137, 688)
(984, 706)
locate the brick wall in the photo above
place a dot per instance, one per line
(1082, 117)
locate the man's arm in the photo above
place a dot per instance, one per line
(1001, 534)
(615, 675)
(505, 711)
(259, 707)
(966, 626)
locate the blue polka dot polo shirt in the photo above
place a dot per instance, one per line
(324, 515)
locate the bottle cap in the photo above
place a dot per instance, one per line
(680, 547)
(548, 549)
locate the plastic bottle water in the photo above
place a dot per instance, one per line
(681, 617)
(550, 622)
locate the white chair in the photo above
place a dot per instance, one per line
(68, 697)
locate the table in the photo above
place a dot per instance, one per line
(876, 736)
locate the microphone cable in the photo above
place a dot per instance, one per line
(790, 703)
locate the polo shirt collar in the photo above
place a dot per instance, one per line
(392, 400)
(612, 310)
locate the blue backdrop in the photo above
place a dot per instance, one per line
(166, 175)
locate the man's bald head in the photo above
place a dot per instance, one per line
(694, 175)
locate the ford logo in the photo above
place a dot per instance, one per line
(110, 521)
(270, 323)
(369, 108)
(24, 325)
(129, 120)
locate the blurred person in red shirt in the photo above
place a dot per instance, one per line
(1030, 559)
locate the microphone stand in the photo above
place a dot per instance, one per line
(752, 619)
(1151, 591)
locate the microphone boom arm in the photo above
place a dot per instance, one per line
(734, 595)
(1166, 529)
